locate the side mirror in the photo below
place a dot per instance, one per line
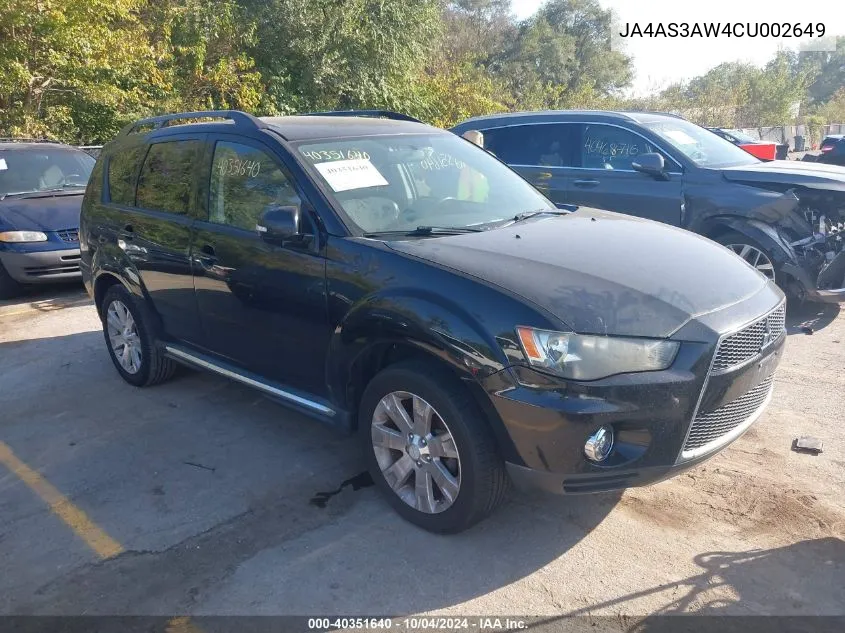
(651, 164)
(278, 224)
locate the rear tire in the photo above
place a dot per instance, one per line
(128, 330)
(450, 470)
(9, 288)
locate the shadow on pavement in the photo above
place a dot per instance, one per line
(804, 578)
(46, 298)
(208, 486)
(804, 317)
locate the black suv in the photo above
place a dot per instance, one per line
(41, 187)
(386, 276)
(786, 218)
(832, 150)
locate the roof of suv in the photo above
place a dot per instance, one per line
(291, 128)
(569, 115)
(302, 128)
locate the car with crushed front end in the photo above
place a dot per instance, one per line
(389, 278)
(786, 218)
(41, 187)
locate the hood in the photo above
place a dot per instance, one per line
(790, 172)
(601, 272)
(50, 213)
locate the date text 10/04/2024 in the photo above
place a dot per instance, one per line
(419, 623)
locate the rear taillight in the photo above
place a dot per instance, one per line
(827, 148)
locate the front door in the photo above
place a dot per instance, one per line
(605, 179)
(262, 305)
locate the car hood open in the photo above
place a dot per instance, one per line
(600, 272)
(790, 172)
(47, 213)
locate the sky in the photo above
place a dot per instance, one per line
(660, 61)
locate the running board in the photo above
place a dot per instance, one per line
(288, 396)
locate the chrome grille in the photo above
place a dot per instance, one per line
(712, 426)
(748, 342)
(69, 235)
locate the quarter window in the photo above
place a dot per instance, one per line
(166, 179)
(122, 168)
(244, 182)
(610, 147)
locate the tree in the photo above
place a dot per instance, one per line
(70, 69)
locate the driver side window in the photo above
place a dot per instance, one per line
(612, 148)
(244, 182)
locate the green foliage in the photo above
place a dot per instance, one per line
(79, 70)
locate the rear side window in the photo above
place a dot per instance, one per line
(244, 182)
(545, 145)
(167, 177)
(122, 168)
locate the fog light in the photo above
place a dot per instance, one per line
(599, 444)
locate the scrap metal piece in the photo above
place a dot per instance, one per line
(807, 444)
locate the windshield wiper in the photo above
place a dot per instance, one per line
(519, 217)
(428, 230)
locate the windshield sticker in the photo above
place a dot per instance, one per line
(343, 175)
(680, 137)
(3, 164)
(335, 154)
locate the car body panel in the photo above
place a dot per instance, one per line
(668, 277)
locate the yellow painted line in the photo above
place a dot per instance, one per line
(75, 518)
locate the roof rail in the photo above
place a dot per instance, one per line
(384, 114)
(157, 122)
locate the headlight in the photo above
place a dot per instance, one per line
(23, 236)
(584, 357)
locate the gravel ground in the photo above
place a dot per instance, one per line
(204, 486)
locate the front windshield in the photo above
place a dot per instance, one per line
(701, 146)
(25, 170)
(403, 182)
(742, 137)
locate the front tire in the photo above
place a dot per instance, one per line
(429, 449)
(753, 254)
(128, 330)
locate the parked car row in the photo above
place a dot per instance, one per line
(764, 150)
(786, 218)
(394, 280)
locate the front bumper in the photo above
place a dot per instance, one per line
(42, 266)
(663, 422)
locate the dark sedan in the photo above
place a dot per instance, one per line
(785, 218)
(41, 187)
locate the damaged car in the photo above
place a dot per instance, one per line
(786, 218)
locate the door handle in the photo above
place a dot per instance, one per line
(586, 183)
(207, 257)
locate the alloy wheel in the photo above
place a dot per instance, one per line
(416, 452)
(757, 258)
(123, 337)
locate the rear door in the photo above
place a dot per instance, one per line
(262, 305)
(539, 152)
(604, 178)
(153, 223)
